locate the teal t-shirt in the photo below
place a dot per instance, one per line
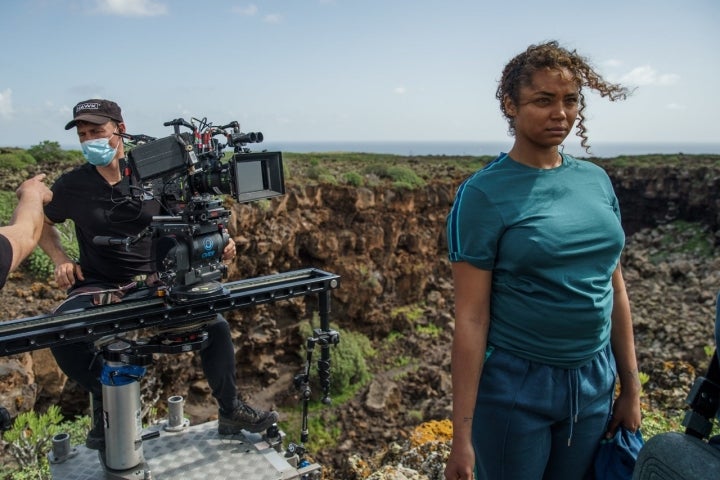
(552, 239)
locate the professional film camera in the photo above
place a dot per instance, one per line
(185, 172)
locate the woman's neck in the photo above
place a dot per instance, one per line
(544, 159)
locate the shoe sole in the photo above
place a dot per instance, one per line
(231, 428)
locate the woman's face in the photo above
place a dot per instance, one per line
(547, 108)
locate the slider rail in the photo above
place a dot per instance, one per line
(43, 331)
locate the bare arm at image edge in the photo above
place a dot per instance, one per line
(26, 224)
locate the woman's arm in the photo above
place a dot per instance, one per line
(472, 321)
(626, 410)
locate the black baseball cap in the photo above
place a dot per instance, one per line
(95, 111)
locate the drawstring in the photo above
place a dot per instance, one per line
(573, 398)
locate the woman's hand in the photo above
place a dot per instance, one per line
(626, 412)
(461, 463)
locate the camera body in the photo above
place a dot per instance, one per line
(187, 172)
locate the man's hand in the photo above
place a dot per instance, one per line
(35, 186)
(67, 273)
(229, 251)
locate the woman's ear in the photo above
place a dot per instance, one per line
(510, 108)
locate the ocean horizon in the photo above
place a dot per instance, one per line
(473, 148)
(455, 148)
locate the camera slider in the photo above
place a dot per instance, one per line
(43, 331)
(179, 319)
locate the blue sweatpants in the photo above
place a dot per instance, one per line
(534, 421)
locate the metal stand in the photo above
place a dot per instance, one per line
(125, 365)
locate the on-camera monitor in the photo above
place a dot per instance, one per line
(258, 175)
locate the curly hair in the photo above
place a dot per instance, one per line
(550, 55)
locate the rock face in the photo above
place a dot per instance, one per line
(388, 245)
(651, 196)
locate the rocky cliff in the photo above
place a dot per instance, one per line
(388, 245)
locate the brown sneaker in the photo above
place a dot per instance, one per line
(244, 417)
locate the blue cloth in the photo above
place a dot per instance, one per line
(615, 458)
(552, 239)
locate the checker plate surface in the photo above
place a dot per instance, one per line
(197, 453)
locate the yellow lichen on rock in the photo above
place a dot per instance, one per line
(434, 430)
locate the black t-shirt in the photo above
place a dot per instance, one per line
(100, 209)
(6, 254)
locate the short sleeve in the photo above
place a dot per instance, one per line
(55, 210)
(474, 227)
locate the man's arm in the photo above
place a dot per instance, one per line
(26, 224)
(66, 270)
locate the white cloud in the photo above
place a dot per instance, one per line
(132, 8)
(273, 18)
(400, 90)
(6, 107)
(646, 75)
(675, 106)
(611, 63)
(247, 11)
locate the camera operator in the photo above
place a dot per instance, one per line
(19, 238)
(92, 198)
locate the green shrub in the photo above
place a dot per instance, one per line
(15, 159)
(353, 178)
(50, 152)
(401, 176)
(327, 178)
(348, 367)
(40, 265)
(316, 171)
(8, 201)
(30, 439)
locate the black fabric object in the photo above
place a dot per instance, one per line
(6, 254)
(100, 209)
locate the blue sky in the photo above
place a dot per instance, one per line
(341, 70)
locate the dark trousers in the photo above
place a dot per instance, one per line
(82, 363)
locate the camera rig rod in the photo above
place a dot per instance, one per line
(43, 331)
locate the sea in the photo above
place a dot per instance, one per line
(472, 148)
(455, 148)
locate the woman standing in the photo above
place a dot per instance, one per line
(542, 318)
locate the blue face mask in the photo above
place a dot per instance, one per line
(98, 151)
